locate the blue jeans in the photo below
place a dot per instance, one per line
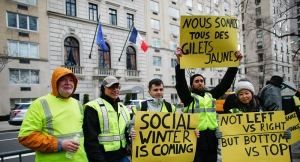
(125, 159)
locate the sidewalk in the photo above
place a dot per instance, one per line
(4, 126)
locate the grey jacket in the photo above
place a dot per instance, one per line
(271, 97)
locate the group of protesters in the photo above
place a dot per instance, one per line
(104, 124)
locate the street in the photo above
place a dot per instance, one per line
(9, 142)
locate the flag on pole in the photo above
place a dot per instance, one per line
(136, 38)
(100, 39)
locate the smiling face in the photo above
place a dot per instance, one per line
(245, 96)
(156, 91)
(198, 83)
(113, 91)
(65, 85)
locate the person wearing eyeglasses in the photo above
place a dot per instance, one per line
(105, 125)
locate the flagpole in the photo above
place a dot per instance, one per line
(126, 41)
(94, 37)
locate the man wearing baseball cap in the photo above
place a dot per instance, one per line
(105, 125)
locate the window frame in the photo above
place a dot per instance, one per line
(156, 43)
(20, 77)
(18, 19)
(70, 7)
(156, 61)
(113, 17)
(29, 44)
(91, 9)
(130, 19)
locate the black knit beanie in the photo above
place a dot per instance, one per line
(193, 77)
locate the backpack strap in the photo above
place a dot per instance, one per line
(144, 106)
(168, 105)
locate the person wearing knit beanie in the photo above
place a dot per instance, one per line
(244, 85)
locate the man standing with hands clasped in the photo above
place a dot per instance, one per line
(202, 102)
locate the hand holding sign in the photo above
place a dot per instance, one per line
(197, 133)
(178, 54)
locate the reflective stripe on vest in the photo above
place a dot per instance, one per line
(111, 138)
(235, 110)
(49, 123)
(197, 106)
(106, 123)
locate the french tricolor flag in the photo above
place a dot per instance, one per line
(136, 38)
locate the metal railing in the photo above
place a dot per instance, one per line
(12, 153)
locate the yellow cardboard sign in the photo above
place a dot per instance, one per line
(208, 41)
(255, 136)
(253, 122)
(293, 122)
(164, 137)
(266, 147)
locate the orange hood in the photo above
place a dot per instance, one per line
(58, 73)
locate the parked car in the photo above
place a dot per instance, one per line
(132, 104)
(17, 114)
(220, 102)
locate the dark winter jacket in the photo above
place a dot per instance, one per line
(207, 140)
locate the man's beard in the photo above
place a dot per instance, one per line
(197, 90)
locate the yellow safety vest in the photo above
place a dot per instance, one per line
(235, 110)
(112, 124)
(53, 117)
(163, 109)
(297, 101)
(206, 108)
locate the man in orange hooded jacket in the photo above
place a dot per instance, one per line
(53, 120)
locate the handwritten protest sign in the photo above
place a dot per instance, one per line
(164, 137)
(293, 123)
(256, 136)
(208, 41)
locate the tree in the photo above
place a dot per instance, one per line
(4, 58)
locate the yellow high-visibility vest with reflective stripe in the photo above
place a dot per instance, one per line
(206, 108)
(235, 110)
(112, 124)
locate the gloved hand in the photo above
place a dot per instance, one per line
(287, 134)
(218, 133)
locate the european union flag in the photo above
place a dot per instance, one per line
(100, 39)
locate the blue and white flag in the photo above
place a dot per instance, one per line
(100, 39)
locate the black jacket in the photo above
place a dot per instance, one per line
(207, 140)
(289, 106)
(91, 129)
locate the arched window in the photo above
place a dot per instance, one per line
(104, 57)
(131, 58)
(71, 54)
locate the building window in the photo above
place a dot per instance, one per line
(173, 12)
(281, 47)
(30, 2)
(260, 68)
(258, 22)
(281, 57)
(259, 45)
(244, 38)
(173, 79)
(244, 48)
(274, 10)
(173, 45)
(157, 76)
(24, 76)
(295, 77)
(243, 27)
(239, 47)
(173, 63)
(154, 6)
(212, 81)
(276, 57)
(287, 59)
(259, 34)
(130, 58)
(257, 2)
(130, 19)
(287, 49)
(260, 57)
(288, 69)
(22, 21)
(156, 61)
(258, 11)
(200, 7)
(283, 69)
(275, 45)
(216, 2)
(93, 12)
(276, 67)
(104, 57)
(217, 12)
(208, 10)
(189, 3)
(174, 98)
(156, 42)
(154, 24)
(71, 7)
(71, 52)
(226, 6)
(112, 16)
(174, 29)
(23, 49)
